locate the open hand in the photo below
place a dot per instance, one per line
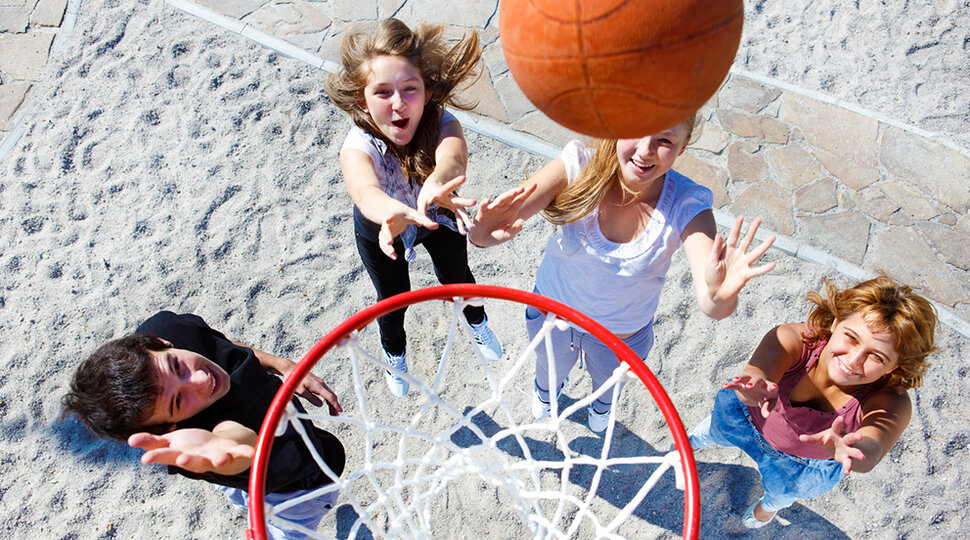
(195, 450)
(754, 391)
(838, 444)
(312, 388)
(729, 266)
(498, 221)
(393, 225)
(445, 197)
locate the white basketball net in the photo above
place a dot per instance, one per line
(439, 450)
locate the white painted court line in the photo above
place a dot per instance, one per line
(541, 148)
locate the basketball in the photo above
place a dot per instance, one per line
(619, 68)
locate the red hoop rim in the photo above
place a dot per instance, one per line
(267, 432)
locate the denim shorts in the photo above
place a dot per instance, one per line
(784, 477)
(307, 514)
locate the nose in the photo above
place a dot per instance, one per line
(857, 357)
(645, 146)
(199, 377)
(397, 101)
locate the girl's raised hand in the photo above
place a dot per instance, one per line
(729, 265)
(401, 217)
(838, 444)
(498, 221)
(754, 391)
(444, 196)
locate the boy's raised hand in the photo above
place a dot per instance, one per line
(754, 391)
(444, 196)
(498, 221)
(838, 444)
(195, 450)
(312, 388)
(729, 265)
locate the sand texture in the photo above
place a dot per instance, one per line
(173, 165)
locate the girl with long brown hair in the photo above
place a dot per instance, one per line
(402, 162)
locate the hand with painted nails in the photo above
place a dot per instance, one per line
(838, 444)
(754, 391)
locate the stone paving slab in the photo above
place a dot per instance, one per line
(867, 190)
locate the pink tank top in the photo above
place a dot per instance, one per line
(786, 421)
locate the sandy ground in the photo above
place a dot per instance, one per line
(172, 165)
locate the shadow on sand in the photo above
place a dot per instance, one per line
(726, 489)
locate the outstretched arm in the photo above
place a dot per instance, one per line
(311, 388)
(451, 160)
(365, 190)
(500, 220)
(227, 450)
(884, 417)
(721, 269)
(757, 385)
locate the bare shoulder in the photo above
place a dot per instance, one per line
(790, 335)
(893, 401)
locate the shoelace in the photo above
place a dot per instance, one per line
(482, 334)
(397, 362)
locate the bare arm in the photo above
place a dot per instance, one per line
(721, 269)
(451, 161)
(779, 350)
(312, 388)
(227, 450)
(884, 417)
(500, 220)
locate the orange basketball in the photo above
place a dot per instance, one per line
(619, 68)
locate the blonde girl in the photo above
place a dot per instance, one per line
(623, 212)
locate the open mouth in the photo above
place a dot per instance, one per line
(400, 124)
(845, 369)
(213, 382)
(641, 167)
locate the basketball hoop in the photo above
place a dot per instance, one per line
(460, 440)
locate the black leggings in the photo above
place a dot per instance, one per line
(449, 255)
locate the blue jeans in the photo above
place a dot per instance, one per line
(784, 477)
(566, 345)
(307, 514)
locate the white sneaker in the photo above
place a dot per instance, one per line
(486, 341)
(597, 421)
(398, 386)
(540, 409)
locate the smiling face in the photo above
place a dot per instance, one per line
(855, 354)
(395, 97)
(189, 383)
(648, 158)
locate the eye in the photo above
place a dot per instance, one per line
(176, 366)
(665, 141)
(178, 401)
